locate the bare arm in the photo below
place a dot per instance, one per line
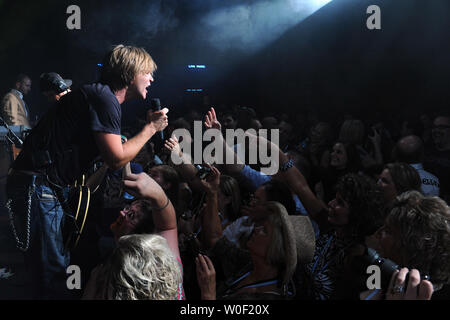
(212, 122)
(143, 186)
(298, 184)
(183, 164)
(211, 225)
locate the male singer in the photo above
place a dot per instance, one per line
(83, 125)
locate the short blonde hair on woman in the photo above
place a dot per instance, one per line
(121, 65)
(142, 267)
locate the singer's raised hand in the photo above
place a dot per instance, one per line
(211, 120)
(158, 119)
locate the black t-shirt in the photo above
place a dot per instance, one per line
(65, 134)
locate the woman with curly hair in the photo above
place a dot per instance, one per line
(355, 213)
(416, 235)
(142, 267)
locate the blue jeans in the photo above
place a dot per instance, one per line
(45, 259)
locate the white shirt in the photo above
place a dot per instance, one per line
(430, 183)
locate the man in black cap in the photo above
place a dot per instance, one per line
(53, 86)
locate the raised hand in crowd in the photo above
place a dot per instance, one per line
(173, 146)
(375, 138)
(206, 277)
(211, 120)
(211, 224)
(212, 181)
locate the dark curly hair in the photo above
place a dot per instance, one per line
(423, 223)
(365, 200)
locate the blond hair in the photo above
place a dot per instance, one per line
(121, 65)
(142, 267)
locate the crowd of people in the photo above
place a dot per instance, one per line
(168, 228)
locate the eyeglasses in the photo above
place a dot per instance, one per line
(129, 212)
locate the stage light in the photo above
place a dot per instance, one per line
(194, 90)
(196, 66)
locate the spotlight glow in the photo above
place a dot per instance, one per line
(250, 27)
(320, 3)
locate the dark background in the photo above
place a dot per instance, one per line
(330, 61)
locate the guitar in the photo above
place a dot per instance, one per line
(77, 204)
(77, 207)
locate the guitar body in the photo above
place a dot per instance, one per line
(78, 204)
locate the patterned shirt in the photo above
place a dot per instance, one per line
(317, 280)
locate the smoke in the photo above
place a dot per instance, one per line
(157, 19)
(250, 27)
(134, 23)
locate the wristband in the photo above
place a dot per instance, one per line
(287, 165)
(165, 206)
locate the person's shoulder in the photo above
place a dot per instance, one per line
(97, 89)
(9, 95)
(100, 96)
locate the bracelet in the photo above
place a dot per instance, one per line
(165, 206)
(287, 165)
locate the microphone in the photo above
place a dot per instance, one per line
(156, 106)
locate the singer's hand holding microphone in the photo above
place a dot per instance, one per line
(158, 119)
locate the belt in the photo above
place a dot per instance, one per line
(24, 172)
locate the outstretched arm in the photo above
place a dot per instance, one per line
(143, 186)
(212, 122)
(116, 154)
(211, 226)
(183, 163)
(316, 209)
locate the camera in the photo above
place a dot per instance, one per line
(203, 172)
(387, 267)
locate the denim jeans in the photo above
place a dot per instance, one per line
(45, 259)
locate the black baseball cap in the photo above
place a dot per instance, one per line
(52, 81)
